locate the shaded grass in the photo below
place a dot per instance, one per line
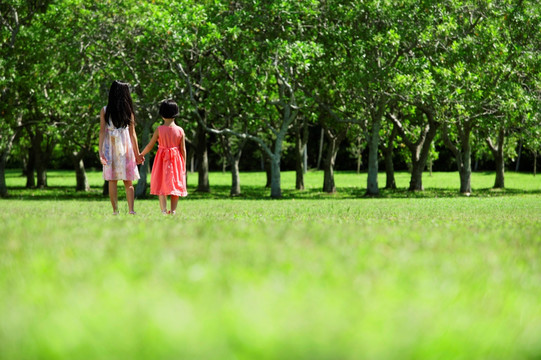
(349, 186)
(334, 278)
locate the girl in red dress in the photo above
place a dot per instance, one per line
(168, 175)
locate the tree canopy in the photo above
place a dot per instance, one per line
(263, 73)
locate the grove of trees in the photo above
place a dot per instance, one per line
(380, 75)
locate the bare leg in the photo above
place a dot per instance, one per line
(130, 195)
(113, 195)
(174, 202)
(163, 203)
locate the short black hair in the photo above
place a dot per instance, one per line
(168, 109)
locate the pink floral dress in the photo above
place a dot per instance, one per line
(118, 150)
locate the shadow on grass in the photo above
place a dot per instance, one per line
(55, 193)
(260, 193)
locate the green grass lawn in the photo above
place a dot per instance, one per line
(313, 276)
(349, 185)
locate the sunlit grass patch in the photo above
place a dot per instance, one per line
(309, 276)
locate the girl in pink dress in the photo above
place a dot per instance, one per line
(168, 175)
(118, 149)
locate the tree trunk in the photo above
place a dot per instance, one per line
(80, 173)
(41, 156)
(143, 183)
(234, 159)
(203, 184)
(276, 186)
(3, 161)
(301, 139)
(235, 178)
(464, 164)
(299, 162)
(3, 186)
(40, 160)
(276, 190)
(359, 154)
(190, 155)
(420, 157)
(499, 182)
(144, 169)
(268, 172)
(390, 182)
(305, 158)
(465, 174)
(334, 141)
(517, 167)
(497, 152)
(30, 178)
(4, 158)
(420, 148)
(416, 180)
(462, 154)
(320, 151)
(41, 174)
(372, 188)
(328, 166)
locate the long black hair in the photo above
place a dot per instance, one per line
(120, 106)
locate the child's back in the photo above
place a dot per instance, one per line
(170, 136)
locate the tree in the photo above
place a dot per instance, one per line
(513, 97)
(14, 16)
(372, 38)
(301, 143)
(417, 127)
(481, 58)
(273, 64)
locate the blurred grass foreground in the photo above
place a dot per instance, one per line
(308, 277)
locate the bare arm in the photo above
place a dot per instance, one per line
(102, 137)
(183, 154)
(151, 143)
(183, 147)
(133, 137)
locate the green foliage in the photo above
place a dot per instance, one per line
(471, 64)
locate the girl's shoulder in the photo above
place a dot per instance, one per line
(175, 128)
(160, 129)
(179, 128)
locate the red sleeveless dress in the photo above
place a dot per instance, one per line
(168, 175)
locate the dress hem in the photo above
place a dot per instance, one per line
(182, 194)
(121, 179)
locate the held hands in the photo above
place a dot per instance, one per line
(140, 159)
(103, 160)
